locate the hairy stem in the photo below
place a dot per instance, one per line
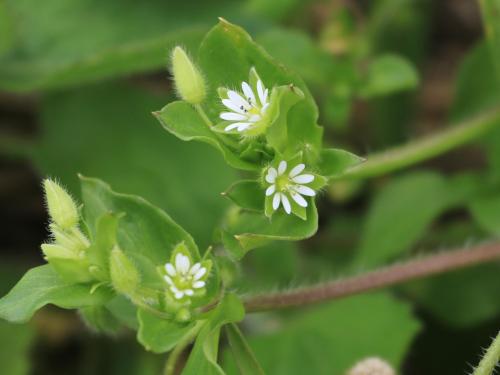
(174, 355)
(203, 115)
(426, 148)
(399, 273)
(490, 359)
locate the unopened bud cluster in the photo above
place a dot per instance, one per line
(66, 252)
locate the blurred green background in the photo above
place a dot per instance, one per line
(80, 78)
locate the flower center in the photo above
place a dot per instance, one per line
(184, 281)
(282, 183)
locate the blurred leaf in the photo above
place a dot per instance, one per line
(100, 319)
(159, 335)
(124, 311)
(41, 286)
(203, 357)
(243, 355)
(276, 10)
(65, 43)
(14, 355)
(388, 74)
(247, 194)
(486, 212)
(335, 161)
(463, 298)
(399, 215)
(331, 338)
(491, 15)
(108, 131)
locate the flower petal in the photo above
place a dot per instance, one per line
(198, 284)
(182, 263)
(168, 280)
(248, 92)
(272, 173)
(243, 126)
(286, 203)
(189, 292)
(304, 190)
(170, 269)
(276, 201)
(299, 199)
(262, 92)
(231, 116)
(270, 190)
(238, 99)
(201, 272)
(303, 178)
(179, 294)
(195, 268)
(266, 91)
(264, 108)
(236, 125)
(282, 167)
(296, 170)
(232, 106)
(254, 118)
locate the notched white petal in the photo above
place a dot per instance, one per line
(201, 272)
(272, 173)
(232, 106)
(299, 199)
(304, 190)
(296, 170)
(270, 190)
(195, 268)
(182, 263)
(247, 90)
(282, 167)
(231, 116)
(168, 280)
(286, 203)
(276, 201)
(170, 269)
(198, 284)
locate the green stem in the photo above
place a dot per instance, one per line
(228, 141)
(426, 148)
(384, 277)
(490, 359)
(174, 355)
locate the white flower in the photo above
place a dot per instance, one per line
(285, 185)
(182, 278)
(246, 108)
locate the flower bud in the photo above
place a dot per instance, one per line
(62, 208)
(189, 82)
(124, 275)
(71, 267)
(372, 366)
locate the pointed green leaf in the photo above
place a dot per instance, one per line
(335, 161)
(41, 286)
(242, 353)
(159, 335)
(182, 120)
(247, 194)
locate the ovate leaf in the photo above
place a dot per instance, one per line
(335, 161)
(247, 194)
(242, 353)
(41, 286)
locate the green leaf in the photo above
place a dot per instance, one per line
(227, 54)
(486, 212)
(247, 194)
(388, 74)
(107, 131)
(463, 298)
(399, 215)
(247, 230)
(245, 359)
(335, 161)
(159, 335)
(100, 319)
(329, 339)
(182, 120)
(15, 357)
(48, 49)
(203, 358)
(41, 286)
(490, 10)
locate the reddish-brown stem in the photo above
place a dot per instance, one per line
(398, 273)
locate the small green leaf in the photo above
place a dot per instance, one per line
(486, 212)
(388, 74)
(247, 230)
(245, 359)
(157, 334)
(182, 120)
(334, 161)
(203, 358)
(41, 286)
(247, 194)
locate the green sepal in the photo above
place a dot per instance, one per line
(73, 270)
(248, 194)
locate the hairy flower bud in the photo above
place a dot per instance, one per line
(62, 209)
(371, 366)
(124, 275)
(188, 80)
